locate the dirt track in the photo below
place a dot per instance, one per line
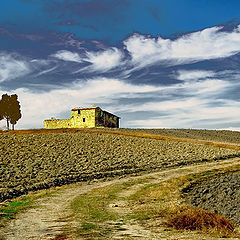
(54, 214)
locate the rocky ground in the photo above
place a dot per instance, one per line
(220, 194)
(37, 161)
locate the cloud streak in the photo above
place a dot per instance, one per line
(12, 68)
(68, 56)
(210, 43)
(153, 76)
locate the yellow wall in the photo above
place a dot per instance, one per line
(76, 120)
(89, 116)
(58, 123)
(94, 117)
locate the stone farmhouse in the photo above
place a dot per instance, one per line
(85, 118)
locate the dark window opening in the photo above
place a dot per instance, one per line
(79, 111)
(83, 119)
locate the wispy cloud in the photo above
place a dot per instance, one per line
(188, 75)
(103, 61)
(210, 43)
(67, 56)
(46, 71)
(176, 96)
(11, 67)
(198, 102)
(192, 113)
(39, 106)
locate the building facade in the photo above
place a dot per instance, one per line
(85, 118)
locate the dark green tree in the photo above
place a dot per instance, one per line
(15, 112)
(10, 109)
(4, 104)
(1, 110)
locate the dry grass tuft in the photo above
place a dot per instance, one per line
(61, 237)
(192, 218)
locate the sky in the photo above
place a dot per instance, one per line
(154, 63)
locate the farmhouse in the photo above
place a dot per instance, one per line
(85, 118)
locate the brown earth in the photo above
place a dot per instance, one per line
(39, 161)
(53, 216)
(220, 194)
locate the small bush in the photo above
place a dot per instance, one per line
(190, 218)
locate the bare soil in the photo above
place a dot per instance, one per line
(220, 194)
(53, 218)
(38, 161)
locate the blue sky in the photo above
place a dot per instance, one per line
(154, 63)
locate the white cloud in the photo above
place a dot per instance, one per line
(191, 113)
(187, 75)
(185, 113)
(46, 71)
(210, 43)
(104, 60)
(11, 68)
(67, 56)
(39, 106)
(237, 129)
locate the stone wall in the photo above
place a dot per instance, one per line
(58, 123)
(105, 119)
(85, 118)
(87, 115)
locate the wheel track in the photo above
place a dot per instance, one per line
(53, 217)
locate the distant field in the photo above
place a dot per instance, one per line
(211, 135)
(200, 134)
(36, 161)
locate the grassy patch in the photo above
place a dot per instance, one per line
(9, 209)
(199, 176)
(14, 207)
(93, 213)
(161, 201)
(155, 201)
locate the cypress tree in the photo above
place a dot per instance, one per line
(10, 109)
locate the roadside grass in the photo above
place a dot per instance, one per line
(163, 202)
(198, 176)
(192, 218)
(14, 207)
(93, 213)
(153, 203)
(10, 208)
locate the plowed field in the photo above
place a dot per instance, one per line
(37, 161)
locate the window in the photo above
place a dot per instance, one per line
(83, 119)
(79, 111)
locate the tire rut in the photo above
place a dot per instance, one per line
(53, 216)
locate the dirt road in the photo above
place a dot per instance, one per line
(53, 216)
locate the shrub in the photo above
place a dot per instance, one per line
(192, 218)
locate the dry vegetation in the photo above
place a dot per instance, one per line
(189, 218)
(36, 161)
